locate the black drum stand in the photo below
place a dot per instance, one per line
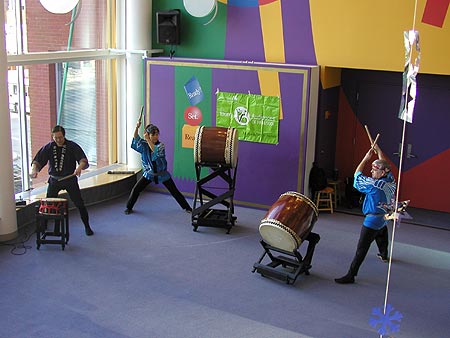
(61, 231)
(288, 266)
(204, 214)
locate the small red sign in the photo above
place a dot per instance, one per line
(193, 115)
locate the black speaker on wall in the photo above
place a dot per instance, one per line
(168, 27)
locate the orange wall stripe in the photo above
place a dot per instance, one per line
(269, 84)
(272, 32)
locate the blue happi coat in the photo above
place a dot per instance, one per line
(378, 192)
(154, 163)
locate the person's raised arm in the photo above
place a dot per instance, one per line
(380, 153)
(363, 162)
(136, 130)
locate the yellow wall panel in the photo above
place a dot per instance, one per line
(269, 83)
(369, 35)
(272, 32)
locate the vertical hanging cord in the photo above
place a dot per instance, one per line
(397, 192)
(66, 66)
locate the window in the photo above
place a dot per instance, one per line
(43, 93)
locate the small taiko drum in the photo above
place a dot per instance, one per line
(216, 146)
(53, 206)
(288, 221)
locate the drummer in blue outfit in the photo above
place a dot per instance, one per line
(379, 190)
(154, 163)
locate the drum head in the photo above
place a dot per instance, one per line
(278, 237)
(54, 199)
(53, 206)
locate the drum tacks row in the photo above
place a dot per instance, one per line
(288, 221)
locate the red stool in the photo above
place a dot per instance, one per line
(52, 209)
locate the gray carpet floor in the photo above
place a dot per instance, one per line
(149, 274)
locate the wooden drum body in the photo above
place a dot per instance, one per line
(216, 146)
(53, 206)
(289, 220)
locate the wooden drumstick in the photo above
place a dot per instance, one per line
(375, 142)
(65, 177)
(368, 135)
(372, 142)
(142, 113)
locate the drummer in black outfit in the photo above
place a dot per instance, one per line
(62, 157)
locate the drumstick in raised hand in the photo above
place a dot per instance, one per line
(372, 142)
(368, 134)
(375, 142)
(141, 114)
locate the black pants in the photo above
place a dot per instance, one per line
(312, 239)
(366, 237)
(169, 184)
(73, 189)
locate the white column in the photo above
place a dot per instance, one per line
(138, 37)
(8, 218)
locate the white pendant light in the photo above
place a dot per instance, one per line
(59, 6)
(199, 8)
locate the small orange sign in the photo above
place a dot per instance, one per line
(188, 136)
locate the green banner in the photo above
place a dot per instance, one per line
(255, 117)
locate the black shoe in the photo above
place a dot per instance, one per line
(128, 211)
(88, 231)
(347, 279)
(384, 259)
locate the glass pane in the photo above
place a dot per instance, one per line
(83, 115)
(12, 27)
(44, 31)
(19, 116)
(78, 111)
(16, 149)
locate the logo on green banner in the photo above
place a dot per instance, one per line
(255, 116)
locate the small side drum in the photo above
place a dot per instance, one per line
(53, 206)
(216, 146)
(288, 221)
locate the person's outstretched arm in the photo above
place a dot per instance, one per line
(136, 130)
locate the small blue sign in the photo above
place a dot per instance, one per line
(194, 91)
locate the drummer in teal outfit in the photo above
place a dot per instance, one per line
(379, 190)
(154, 163)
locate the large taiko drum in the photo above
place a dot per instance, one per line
(53, 206)
(288, 221)
(216, 145)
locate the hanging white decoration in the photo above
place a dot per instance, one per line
(200, 8)
(59, 6)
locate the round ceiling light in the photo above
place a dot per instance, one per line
(199, 8)
(59, 6)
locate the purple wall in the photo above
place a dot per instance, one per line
(264, 171)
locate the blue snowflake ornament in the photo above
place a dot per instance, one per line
(385, 322)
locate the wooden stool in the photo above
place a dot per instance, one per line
(324, 199)
(336, 194)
